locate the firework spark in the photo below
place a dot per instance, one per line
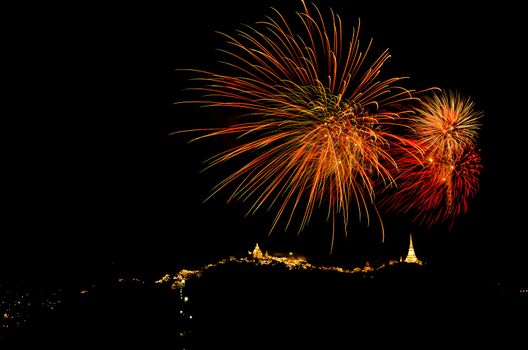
(440, 175)
(318, 121)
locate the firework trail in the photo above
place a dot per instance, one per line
(440, 175)
(318, 121)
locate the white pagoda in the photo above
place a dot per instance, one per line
(411, 256)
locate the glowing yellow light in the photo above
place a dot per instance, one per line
(430, 160)
(190, 317)
(186, 299)
(289, 261)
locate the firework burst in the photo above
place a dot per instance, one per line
(318, 121)
(447, 124)
(440, 174)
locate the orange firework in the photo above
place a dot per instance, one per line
(447, 124)
(318, 121)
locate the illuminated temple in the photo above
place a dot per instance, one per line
(411, 256)
(257, 253)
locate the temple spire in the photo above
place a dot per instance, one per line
(411, 256)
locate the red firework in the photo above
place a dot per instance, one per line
(439, 174)
(436, 189)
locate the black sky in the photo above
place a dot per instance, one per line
(92, 177)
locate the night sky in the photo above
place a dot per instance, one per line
(92, 179)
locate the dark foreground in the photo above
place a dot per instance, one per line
(262, 306)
